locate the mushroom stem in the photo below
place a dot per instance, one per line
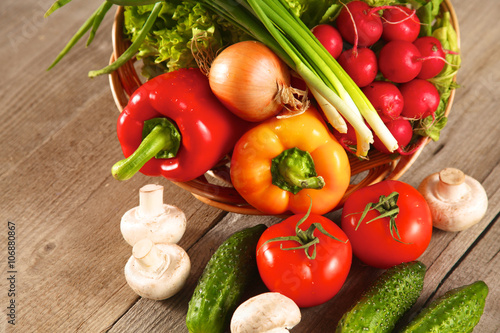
(452, 186)
(151, 201)
(149, 256)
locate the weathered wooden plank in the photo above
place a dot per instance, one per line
(35, 103)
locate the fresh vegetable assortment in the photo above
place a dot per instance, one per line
(372, 73)
(370, 43)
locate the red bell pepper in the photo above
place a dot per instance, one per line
(173, 126)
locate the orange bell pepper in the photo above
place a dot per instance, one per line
(283, 165)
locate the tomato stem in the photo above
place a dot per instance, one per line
(387, 207)
(305, 238)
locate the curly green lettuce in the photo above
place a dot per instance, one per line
(443, 30)
(311, 12)
(168, 45)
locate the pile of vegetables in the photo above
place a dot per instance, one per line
(304, 261)
(272, 59)
(287, 89)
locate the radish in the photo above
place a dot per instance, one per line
(433, 56)
(330, 38)
(347, 139)
(399, 61)
(358, 25)
(402, 130)
(385, 98)
(421, 99)
(400, 23)
(360, 64)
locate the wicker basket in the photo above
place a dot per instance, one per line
(214, 188)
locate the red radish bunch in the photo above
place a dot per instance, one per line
(404, 60)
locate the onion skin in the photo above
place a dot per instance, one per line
(248, 78)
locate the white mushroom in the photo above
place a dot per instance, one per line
(157, 271)
(457, 201)
(153, 219)
(269, 312)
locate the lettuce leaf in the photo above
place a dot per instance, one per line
(444, 81)
(168, 45)
(311, 12)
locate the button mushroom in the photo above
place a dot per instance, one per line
(269, 312)
(153, 219)
(157, 271)
(457, 201)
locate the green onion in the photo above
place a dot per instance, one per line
(55, 6)
(100, 14)
(79, 34)
(132, 50)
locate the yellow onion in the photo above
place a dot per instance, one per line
(253, 82)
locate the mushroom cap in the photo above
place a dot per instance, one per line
(168, 227)
(164, 282)
(464, 205)
(269, 312)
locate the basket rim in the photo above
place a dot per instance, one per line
(124, 81)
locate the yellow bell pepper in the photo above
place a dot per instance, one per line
(283, 165)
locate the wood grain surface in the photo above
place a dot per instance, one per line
(59, 143)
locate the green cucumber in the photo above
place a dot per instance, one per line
(225, 278)
(458, 310)
(385, 302)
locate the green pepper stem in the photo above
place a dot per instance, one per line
(298, 180)
(293, 170)
(160, 138)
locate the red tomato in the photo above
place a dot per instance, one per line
(307, 281)
(373, 242)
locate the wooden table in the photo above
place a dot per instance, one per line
(59, 142)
